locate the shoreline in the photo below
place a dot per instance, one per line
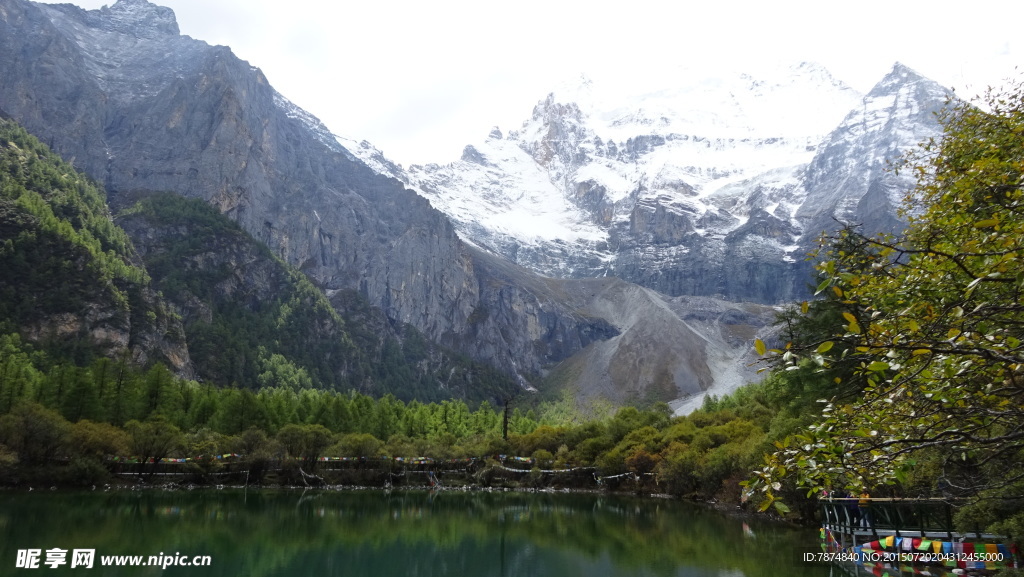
(722, 508)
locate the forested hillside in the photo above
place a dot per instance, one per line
(253, 321)
(265, 342)
(72, 282)
(174, 281)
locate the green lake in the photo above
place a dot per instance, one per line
(400, 533)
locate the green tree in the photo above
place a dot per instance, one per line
(155, 438)
(162, 394)
(82, 400)
(35, 433)
(98, 440)
(257, 451)
(18, 377)
(278, 371)
(305, 442)
(121, 397)
(358, 445)
(938, 321)
(238, 410)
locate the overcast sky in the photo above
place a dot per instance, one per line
(420, 79)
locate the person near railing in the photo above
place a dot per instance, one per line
(849, 506)
(864, 507)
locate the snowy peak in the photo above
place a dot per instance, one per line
(555, 129)
(899, 109)
(698, 182)
(896, 116)
(897, 79)
(715, 103)
(699, 132)
(507, 201)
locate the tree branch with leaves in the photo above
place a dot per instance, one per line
(934, 320)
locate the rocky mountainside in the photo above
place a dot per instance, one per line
(251, 319)
(171, 284)
(142, 109)
(718, 187)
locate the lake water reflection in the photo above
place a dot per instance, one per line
(355, 533)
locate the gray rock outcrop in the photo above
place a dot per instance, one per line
(140, 108)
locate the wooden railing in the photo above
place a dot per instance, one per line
(932, 518)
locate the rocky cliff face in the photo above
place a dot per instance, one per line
(251, 319)
(141, 108)
(161, 111)
(718, 188)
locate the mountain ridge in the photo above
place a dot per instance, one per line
(739, 207)
(201, 123)
(158, 111)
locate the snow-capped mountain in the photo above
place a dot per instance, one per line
(705, 184)
(713, 184)
(141, 108)
(850, 177)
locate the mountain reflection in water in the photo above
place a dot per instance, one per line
(355, 533)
